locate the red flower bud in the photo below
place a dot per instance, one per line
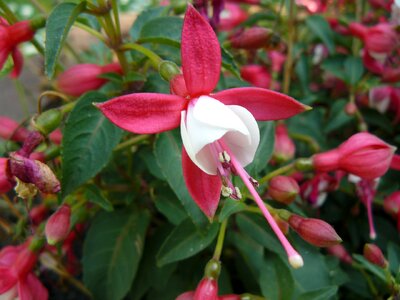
(56, 136)
(363, 154)
(256, 75)
(38, 213)
(231, 16)
(35, 172)
(283, 189)
(11, 130)
(314, 231)
(284, 147)
(82, 78)
(252, 38)
(177, 86)
(57, 226)
(374, 255)
(6, 183)
(277, 60)
(340, 252)
(207, 289)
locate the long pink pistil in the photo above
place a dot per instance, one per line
(295, 259)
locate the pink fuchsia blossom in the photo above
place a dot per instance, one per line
(219, 130)
(257, 75)
(12, 130)
(17, 279)
(363, 154)
(277, 60)
(6, 182)
(315, 190)
(284, 147)
(207, 289)
(82, 78)
(340, 252)
(10, 37)
(374, 255)
(231, 16)
(58, 225)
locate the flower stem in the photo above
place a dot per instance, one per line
(91, 31)
(131, 142)
(154, 58)
(291, 34)
(12, 207)
(277, 172)
(307, 139)
(220, 240)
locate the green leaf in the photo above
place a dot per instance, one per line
(338, 117)
(303, 73)
(58, 24)
(229, 63)
(95, 195)
(185, 241)
(143, 18)
(231, 207)
(393, 251)
(377, 271)
(354, 69)
(162, 30)
(112, 251)
(88, 141)
(168, 153)
(320, 27)
(335, 65)
(265, 148)
(276, 280)
(320, 294)
(171, 208)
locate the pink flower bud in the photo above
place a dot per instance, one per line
(11, 130)
(207, 289)
(6, 183)
(363, 154)
(231, 16)
(256, 75)
(57, 226)
(350, 109)
(177, 86)
(38, 213)
(56, 136)
(284, 148)
(340, 252)
(283, 189)
(82, 78)
(314, 231)
(252, 38)
(33, 140)
(379, 98)
(391, 204)
(374, 255)
(277, 60)
(35, 172)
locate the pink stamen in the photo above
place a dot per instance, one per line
(294, 257)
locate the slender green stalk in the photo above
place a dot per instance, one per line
(22, 96)
(220, 240)
(307, 139)
(114, 6)
(289, 59)
(91, 31)
(154, 58)
(133, 141)
(282, 170)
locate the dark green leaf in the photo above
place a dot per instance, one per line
(95, 195)
(302, 71)
(231, 207)
(393, 251)
(171, 208)
(185, 241)
(88, 141)
(144, 17)
(354, 68)
(229, 63)
(112, 251)
(338, 116)
(167, 150)
(374, 269)
(335, 66)
(325, 293)
(58, 24)
(163, 30)
(320, 27)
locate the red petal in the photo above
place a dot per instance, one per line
(18, 63)
(265, 105)
(201, 54)
(205, 189)
(7, 279)
(144, 112)
(395, 164)
(30, 288)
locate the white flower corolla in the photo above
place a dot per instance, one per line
(206, 121)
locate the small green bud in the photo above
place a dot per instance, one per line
(179, 6)
(47, 121)
(304, 164)
(212, 270)
(168, 70)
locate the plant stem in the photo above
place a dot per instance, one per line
(91, 31)
(220, 240)
(289, 59)
(277, 172)
(132, 141)
(307, 139)
(12, 207)
(154, 58)
(22, 97)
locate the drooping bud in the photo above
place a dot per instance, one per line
(314, 231)
(82, 78)
(284, 147)
(283, 189)
(340, 252)
(34, 172)
(207, 289)
(6, 182)
(177, 86)
(256, 75)
(11, 130)
(374, 255)
(57, 226)
(47, 121)
(252, 38)
(363, 154)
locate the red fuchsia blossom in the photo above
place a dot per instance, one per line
(12, 130)
(58, 225)
(315, 190)
(10, 37)
(374, 255)
(231, 16)
(363, 154)
(6, 182)
(258, 76)
(82, 78)
(219, 131)
(340, 252)
(207, 289)
(314, 231)
(17, 279)
(283, 189)
(252, 38)
(284, 147)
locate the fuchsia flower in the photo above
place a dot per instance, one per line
(277, 60)
(10, 37)
(82, 78)
(11, 130)
(231, 16)
(283, 189)
(258, 76)
(316, 189)
(17, 279)
(6, 183)
(58, 225)
(340, 252)
(284, 147)
(219, 131)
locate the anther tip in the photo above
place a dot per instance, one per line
(296, 261)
